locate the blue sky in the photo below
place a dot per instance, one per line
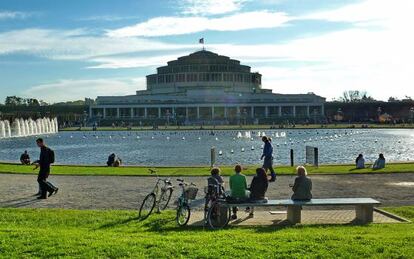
(59, 50)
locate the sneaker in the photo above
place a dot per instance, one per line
(41, 198)
(251, 214)
(234, 216)
(56, 190)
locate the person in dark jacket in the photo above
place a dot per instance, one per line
(258, 188)
(111, 159)
(25, 158)
(268, 158)
(259, 185)
(302, 188)
(45, 160)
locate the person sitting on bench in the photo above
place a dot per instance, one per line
(360, 162)
(238, 188)
(25, 158)
(379, 163)
(215, 179)
(215, 186)
(258, 188)
(302, 189)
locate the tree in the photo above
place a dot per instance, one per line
(32, 102)
(14, 101)
(354, 96)
(19, 101)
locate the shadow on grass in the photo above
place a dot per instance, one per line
(20, 202)
(284, 224)
(117, 223)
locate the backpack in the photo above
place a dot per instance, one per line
(51, 156)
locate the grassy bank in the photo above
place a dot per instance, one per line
(200, 171)
(249, 127)
(113, 234)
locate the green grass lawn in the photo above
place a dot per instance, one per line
(199, 171)
(112, 234)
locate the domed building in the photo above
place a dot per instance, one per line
(205, 87)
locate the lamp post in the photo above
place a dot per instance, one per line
(85, 117)
(315, 114)
(412, 114)
(168, 117)
(379, 110)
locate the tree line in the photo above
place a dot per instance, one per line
(33, 102)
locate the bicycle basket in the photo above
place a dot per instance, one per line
(191, 193)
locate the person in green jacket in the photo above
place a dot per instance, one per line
(238, 188)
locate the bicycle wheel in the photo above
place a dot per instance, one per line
(164, 199)
(218, 216)
(183, 215)
(147, 206)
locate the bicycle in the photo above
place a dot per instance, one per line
(159, 196)
(216, 215)
(188, 192)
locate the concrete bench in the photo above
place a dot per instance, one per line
(364, 207)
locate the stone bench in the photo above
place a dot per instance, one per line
(364, 207)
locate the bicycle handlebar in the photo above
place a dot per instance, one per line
(185, 183)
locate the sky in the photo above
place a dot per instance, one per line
(59, 50)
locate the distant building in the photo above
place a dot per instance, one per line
(205, 87)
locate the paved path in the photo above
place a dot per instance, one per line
(124, 192)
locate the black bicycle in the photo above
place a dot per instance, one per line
(216, 212)
(188, 193)
(159, 197)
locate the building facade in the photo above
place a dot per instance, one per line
(209, 88)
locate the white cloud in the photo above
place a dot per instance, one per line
(133, 62)
(210, 7)
(5, 15)
(165, 26)
(71, 89)
(108, 18)
(75, 44)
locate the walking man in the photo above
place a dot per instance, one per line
(47, 157)
(268, 158)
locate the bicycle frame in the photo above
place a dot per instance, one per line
(157, 190)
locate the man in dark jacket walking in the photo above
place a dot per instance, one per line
(47, 157)
(268, 158)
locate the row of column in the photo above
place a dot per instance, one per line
(239, 113)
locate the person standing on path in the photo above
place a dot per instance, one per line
(268, 158)
(47, 157)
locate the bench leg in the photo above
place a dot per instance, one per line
(294, 214)
(364, 213)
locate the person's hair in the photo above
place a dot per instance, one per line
(261, 173)
(39, 140)
(301, 171)
(238, 168)
(215, 171)
(381, 155)
(360, 155)
(264, 138)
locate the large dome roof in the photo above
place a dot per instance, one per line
(203, 57)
